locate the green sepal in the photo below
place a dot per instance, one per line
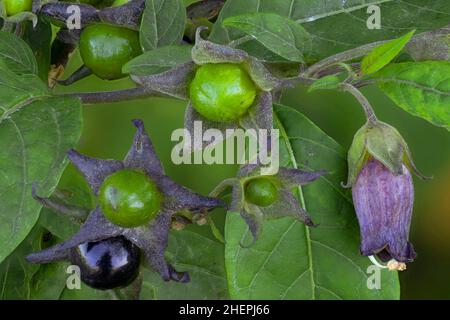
(385, 144)
(382, 142)
(408, 161)
(357, 155)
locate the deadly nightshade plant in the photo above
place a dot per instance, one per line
(257, 196)
(379, 165)
(150, 237)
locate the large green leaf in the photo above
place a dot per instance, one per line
(336, 25)
(420, 88)
(202, 257)
(279, 34)
(291, 261)
(17, 55)
(162, 23)
(35, 132)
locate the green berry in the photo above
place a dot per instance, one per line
(222, 92)
(261, 192)
(106, 48)
(129, 198)
(16, 6)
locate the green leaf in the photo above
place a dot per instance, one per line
(162, 23)
(327, 82)
(15, 273)
(202, 257)
(49, 282)
(17, 55)
(280, 35)
(420, 88)
(39, 39)
(36, 131)
(383, 54)
(158, 60)
(291, 261)
(334, 26)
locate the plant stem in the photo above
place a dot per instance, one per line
(368, 110)
(116, 96)
(343, 57)
(300, 79)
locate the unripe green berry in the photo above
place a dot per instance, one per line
(129, 198)
(261, 192)
(222, 92)
(106, 48)
(17, 6)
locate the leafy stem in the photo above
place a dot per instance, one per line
(361, 51)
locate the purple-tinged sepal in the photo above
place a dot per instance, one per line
(284, 202)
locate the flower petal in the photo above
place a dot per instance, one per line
(94, 170)
(383, 203)
(142, 155)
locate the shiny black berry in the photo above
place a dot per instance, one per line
(107, 264)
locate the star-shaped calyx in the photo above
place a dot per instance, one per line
(152, 237)
(257, 196)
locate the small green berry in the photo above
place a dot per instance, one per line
(261, 192)
(105, 48)
(129, 198)
(17, 6)
(222, 92)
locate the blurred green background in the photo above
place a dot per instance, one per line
(108, 132)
